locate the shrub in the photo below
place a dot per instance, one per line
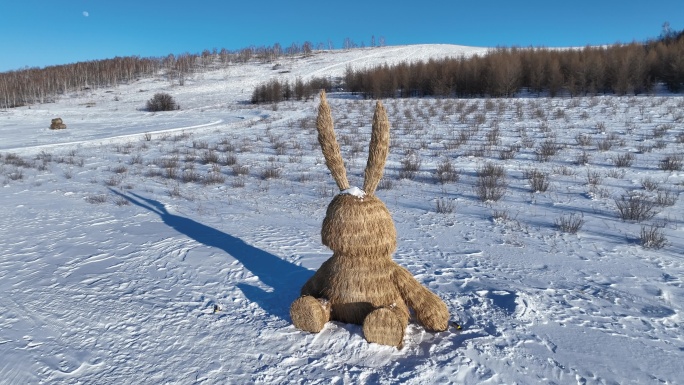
(539, 182)
(546, 150)
(162, 102)
(635, 207)
(624, 160)
(672, 163)
(652, 237)
(508, 153)
(491, 182)
(271, 172)
(96, 199)
(385, 184)
(445, 172)
(570, 223)
(582, 159)
(239, 169)
(190, 175)
(444, 206)
(649, 184)
(209, 156)
(666, 198)
(214, 177)
(409, 166)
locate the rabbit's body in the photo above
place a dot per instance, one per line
(350, 291)
(360, 283)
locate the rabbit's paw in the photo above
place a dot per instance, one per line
(384, 326)
(310, 314)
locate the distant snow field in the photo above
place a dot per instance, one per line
(166, 248)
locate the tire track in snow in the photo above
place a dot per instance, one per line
(111, 138)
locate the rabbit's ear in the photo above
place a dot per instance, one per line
(379, 147)
(331, 150)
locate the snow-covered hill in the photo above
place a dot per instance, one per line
(122, 233)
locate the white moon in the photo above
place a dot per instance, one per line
(86, 14)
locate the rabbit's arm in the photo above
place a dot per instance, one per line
(430, 310)
(316, 284)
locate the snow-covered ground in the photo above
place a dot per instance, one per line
(120, 234)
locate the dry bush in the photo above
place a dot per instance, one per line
(546, 150)
(16, 160)
(385, 184)
(493, 137)
(119, 169)
(491, 182)
(616, 173)
(229, 160)
(167, 162)
(162, 102)
(593, 178)
(240, 169)
(570, 223)
(649, 184)
(604, 145)
(410, 165)
(539, 181)
(508, 153)
(582, 158)
(501, 216)
(583, 140)
(661, 130)
(672, 163)
(214, 177)
(136, 159)
(666, 198)
(624, 160)
(272, 171)
(209, 157)
(190, 175)
(652, 237)
(635, 207)
(96, 199)
(238, 182)
(15, 173)
(446, 173)
(444, 205)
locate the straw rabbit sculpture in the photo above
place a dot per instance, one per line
(360, 283)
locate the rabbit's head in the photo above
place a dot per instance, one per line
(357, 222)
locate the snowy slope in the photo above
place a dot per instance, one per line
(120, 235)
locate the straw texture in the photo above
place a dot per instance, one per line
(310, 314)
(362, 227)
(360, 283)
(379, 147)
(331, 150)
(385, 326)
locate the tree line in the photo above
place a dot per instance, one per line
(618, 69)
(42, 85)
(275, 91)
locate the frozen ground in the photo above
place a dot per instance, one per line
(121, 233)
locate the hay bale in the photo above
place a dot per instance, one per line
(57, 124)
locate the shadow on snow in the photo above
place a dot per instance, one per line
(284, 277)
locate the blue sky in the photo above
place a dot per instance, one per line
(37, 33)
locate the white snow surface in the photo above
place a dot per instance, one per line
(115, 247)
